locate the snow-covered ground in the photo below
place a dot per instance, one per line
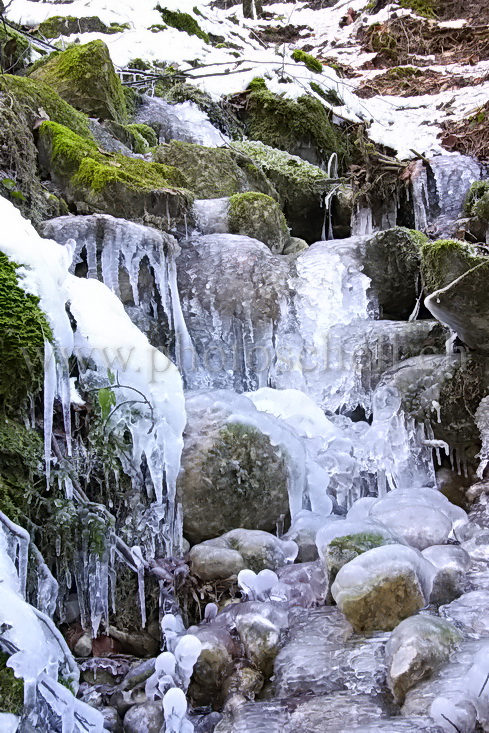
(404, 124)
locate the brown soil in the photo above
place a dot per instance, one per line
(414, 82)
(469, 136)
(282, 33)
(403, 40)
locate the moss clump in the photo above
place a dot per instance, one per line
(23, 330)
(445, 260)
(147, 133)
(311, 62)
(477, 200)
(258, 215)
(257, 83)
(287, 124)
(426, 8)
(182, 22)
(20, 461)
(212, 172)
(84, 76)
(11, 689)
(81, 161)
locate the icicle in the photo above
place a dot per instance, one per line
(140, 564)
(49, 395)
(437, 408)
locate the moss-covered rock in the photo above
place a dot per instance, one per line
(20, 461)
(67, 25)
(299, 185)
(213, 172)
(426, 8)
(232, 476)
(84, 76)
(11, 689)
(23, 102)
(392, 261)
(300, 127)
(148, 135)
(111, 183)
(343, 549)
(182, 22)
(258, 215)
(445, 260)
(463, 305)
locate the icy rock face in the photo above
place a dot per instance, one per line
(231, 305)
(451, 563)
(321, 656)
(234, 452)
(383, 586)
(137, 263)
(211, 216)
(436, 207)
(340, 542)
(416, 647)
(183, 121)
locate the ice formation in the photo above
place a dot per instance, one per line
(105, 342)
(184, 121)
(37, 651)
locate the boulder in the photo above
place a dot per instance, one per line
(111, 183)
(232, 475)
(340, 542)
(258, 215)
(214, 172)
(416, 647)
(462, 305)
(445, 260)
(383, 586)
(147, 717)
(451, 562)
(392, 260)
(212, 563)
(84, 76)
(261, 628)
(300, 186)
(259, 550)
(214, 665)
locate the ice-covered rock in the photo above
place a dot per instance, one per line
(454, 713)
(340, 542)
(383, 586)
(147, 716)
(416, 647)
(259, 550)
(451, 563)
(183, 121)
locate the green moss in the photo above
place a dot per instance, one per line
(258, 82)
(360, 542)
(258, 215)
(210, 172)
(20, 460)
(80, 160)
(426, 8)
(147, 133)
(34, 95)
(23, 329)
(285, 124)
(445, 260)
(311, 62)
(67, 25)
(11, 689)
(182, 22)
(133, 100)
(85, 77)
